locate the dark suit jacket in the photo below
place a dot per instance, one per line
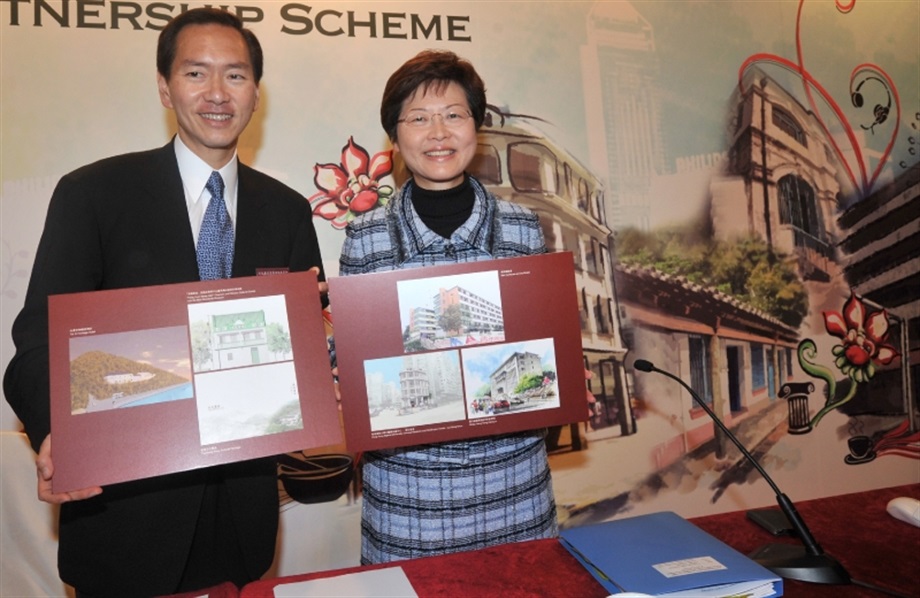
(123, 222)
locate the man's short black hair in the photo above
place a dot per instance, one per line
(166, 46)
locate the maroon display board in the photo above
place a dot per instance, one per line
(154, 380)
(459, 351)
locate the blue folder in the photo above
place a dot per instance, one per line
(663, 554)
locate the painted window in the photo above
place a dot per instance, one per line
(789, 125)
(592, 248)
(758, 375)
(797, 206)
(700, 380)
(603, 323)
(486, 165)
(532, 167)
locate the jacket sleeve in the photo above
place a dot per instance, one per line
(368, 245)
(68, 260)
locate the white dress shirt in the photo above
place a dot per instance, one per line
(195, 173)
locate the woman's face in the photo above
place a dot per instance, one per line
(441, 143)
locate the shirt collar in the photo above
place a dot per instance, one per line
(415, 237)
(195, 173)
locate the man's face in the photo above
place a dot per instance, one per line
(212, 90)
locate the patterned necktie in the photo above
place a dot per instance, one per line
(215, 239)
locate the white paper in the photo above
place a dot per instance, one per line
(379, 583)
(744, 589)
(700, 564)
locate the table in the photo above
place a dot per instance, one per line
(855, 528)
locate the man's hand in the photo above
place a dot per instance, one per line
(46, 472)
(323, 285)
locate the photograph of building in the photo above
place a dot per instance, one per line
(239, 333)
(414, 390)
(512, 371)
(510, 378)
(451, 311)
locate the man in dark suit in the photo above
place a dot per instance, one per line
(135, 220)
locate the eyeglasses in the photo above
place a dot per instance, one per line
(423, 120)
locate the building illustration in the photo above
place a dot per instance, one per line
(440, 372)
(476, 313)
(781, 178)
(414, 388)
(734, 356)
(239, 339)
(125, 378)
(380, 391)
(519, 163)
(505, 378)
(423, 323)
(880, 254)
(452, 316)
(624, 119)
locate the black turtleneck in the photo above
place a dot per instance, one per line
(444, 211)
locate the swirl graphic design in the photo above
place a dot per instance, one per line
(864, 78)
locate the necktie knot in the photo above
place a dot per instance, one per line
(215, 185)
(215, 238)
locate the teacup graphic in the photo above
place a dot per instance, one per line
(861, 450)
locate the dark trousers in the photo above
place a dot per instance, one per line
(215, 555)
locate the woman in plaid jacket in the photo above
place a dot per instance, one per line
(453, 496)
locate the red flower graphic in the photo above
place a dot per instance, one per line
(865, 339)
(353, 186)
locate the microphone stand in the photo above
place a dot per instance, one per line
(803, 563)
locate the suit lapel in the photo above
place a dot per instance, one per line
(251, 236)
(167, 215)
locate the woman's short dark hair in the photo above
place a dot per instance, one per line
(431, 67)
(166, 45)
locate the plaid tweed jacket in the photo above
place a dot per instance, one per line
(393, 236)
(452, 496)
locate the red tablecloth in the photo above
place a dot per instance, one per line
(873, 546)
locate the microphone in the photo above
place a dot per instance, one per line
(803, 563)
